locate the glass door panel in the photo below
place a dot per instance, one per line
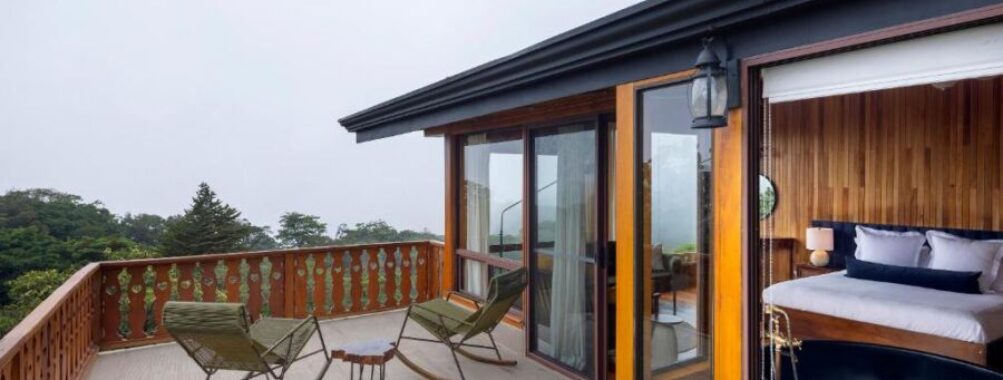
(564, 246)
(675, 213)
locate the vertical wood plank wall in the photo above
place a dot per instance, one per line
(914, 156)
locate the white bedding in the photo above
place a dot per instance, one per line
(969, 317)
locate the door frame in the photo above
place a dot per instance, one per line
(598, 124)
(751, 140)
(599, 120)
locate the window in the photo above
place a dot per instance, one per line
(490, 220)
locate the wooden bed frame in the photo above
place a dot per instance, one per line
(807, 325)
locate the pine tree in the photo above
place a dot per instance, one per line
(209, 226)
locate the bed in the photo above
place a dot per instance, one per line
(967, 327)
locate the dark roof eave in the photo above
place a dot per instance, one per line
(640, 27)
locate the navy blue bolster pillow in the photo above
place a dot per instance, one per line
(951, 281)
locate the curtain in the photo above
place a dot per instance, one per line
(478, 208)
(575, 220)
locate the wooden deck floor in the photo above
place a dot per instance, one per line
(168, 361)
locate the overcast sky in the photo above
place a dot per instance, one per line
(134, 102)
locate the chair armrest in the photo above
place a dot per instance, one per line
(440, 315)
(476, 301)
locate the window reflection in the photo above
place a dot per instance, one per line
(675, 175)
(491, 204)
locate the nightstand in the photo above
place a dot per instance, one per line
(807, 270)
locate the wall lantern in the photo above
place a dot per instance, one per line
(710, 89)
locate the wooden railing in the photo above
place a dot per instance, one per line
(119, 304)
(58, 340)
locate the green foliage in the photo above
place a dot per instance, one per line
(131, 252)
(378, 231)
(63, 216)
(301, 230)
(144, 229)
(209, 226)
(27, 291)
(685, 248)
(259, 238)
(45, 235)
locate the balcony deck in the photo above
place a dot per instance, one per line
(168, 361)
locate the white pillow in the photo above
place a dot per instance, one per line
(889, 247)
(956, 253)
(924, 256)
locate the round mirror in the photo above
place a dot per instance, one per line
(767, 197)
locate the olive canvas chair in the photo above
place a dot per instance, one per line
(454, 326)
(219, 336)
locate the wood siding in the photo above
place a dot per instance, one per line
(913, 156)
(594, 102)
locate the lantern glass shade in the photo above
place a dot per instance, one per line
(709, 98)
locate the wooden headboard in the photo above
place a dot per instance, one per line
(844, 232)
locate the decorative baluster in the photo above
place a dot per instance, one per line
(266, 287)
(173, 275)
(397, 280)
(197, 281)
(381, 277)
(347, 273)
(149, 296)
(221, 281)
(124, 278)
(328, 286)
(309, 263)
(413, 295)
(244, 288)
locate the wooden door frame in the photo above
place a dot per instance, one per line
(751, 140)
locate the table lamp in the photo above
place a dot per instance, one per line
(819, 241)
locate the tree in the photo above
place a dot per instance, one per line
(259, 238)
(378, 231)
(208, 226)
(28, 290)
(64, 216)
(301, 230)
(29, 248)
(144, 229)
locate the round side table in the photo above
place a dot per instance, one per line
(374, 354)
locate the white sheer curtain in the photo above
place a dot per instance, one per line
(570, 325)
(477, 159)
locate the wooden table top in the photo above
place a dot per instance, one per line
(375, 352)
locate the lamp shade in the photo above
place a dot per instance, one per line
(818, 238)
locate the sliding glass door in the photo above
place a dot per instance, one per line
(565, 231)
